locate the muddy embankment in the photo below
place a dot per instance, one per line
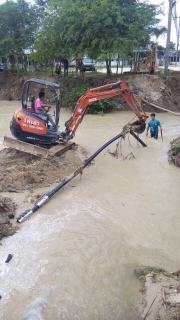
(7, 210)
(159, 294)
(163, 91)
(21, 171)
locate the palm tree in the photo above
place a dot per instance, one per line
(157, 32)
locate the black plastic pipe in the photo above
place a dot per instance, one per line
(26, 214)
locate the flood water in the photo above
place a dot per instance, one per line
(75, 257)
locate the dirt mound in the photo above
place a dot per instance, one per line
(7, 206)
(23, 171)
(162, 91)
(174, 152)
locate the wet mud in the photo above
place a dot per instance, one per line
(7, 211)
(159, 294)
(22, 171)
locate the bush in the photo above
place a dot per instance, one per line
(102, 106)
(71, 91)
(174, 152)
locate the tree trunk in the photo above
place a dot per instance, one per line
(25, 64)
(122, 64)
(118, 64)
(108, 66)
(52, 67)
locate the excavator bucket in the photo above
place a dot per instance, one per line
(25, 147)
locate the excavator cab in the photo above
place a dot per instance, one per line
(54, 95)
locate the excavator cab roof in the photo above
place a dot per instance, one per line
(26, 86)
(43, 82)
(53, 87)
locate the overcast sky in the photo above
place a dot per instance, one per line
(162, 39)
(164, 22)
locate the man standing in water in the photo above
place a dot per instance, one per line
(153, 124)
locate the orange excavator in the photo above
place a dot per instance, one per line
(32, 131)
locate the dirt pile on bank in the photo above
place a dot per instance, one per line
(174, 152)
(163, 91)
(22, 171)
(160, 294)
(7, 207)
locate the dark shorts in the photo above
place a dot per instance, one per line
(154, 135)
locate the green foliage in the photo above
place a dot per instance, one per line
(102, 106)
(99, 27)
(158, 31)
(156, 270)
(18, 23)
(45, 45)
(159, 47)
(172, 45)
(71, 92)
(174, 152)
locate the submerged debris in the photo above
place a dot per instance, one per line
(9, 257)
(174, 152)
(118, 153)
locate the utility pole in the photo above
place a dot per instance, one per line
(168, 38)
(177, 41)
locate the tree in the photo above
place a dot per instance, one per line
(160, 47)
(45, 46)
(172, 46)
(103, 27)
(158, 31)
(18, 23)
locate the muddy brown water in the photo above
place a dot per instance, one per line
(74, 259)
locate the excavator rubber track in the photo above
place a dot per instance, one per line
(56, 150)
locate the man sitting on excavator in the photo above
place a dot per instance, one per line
(43, 109)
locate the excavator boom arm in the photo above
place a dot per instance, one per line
(100, 93)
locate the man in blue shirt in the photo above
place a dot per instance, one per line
(153, 124)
